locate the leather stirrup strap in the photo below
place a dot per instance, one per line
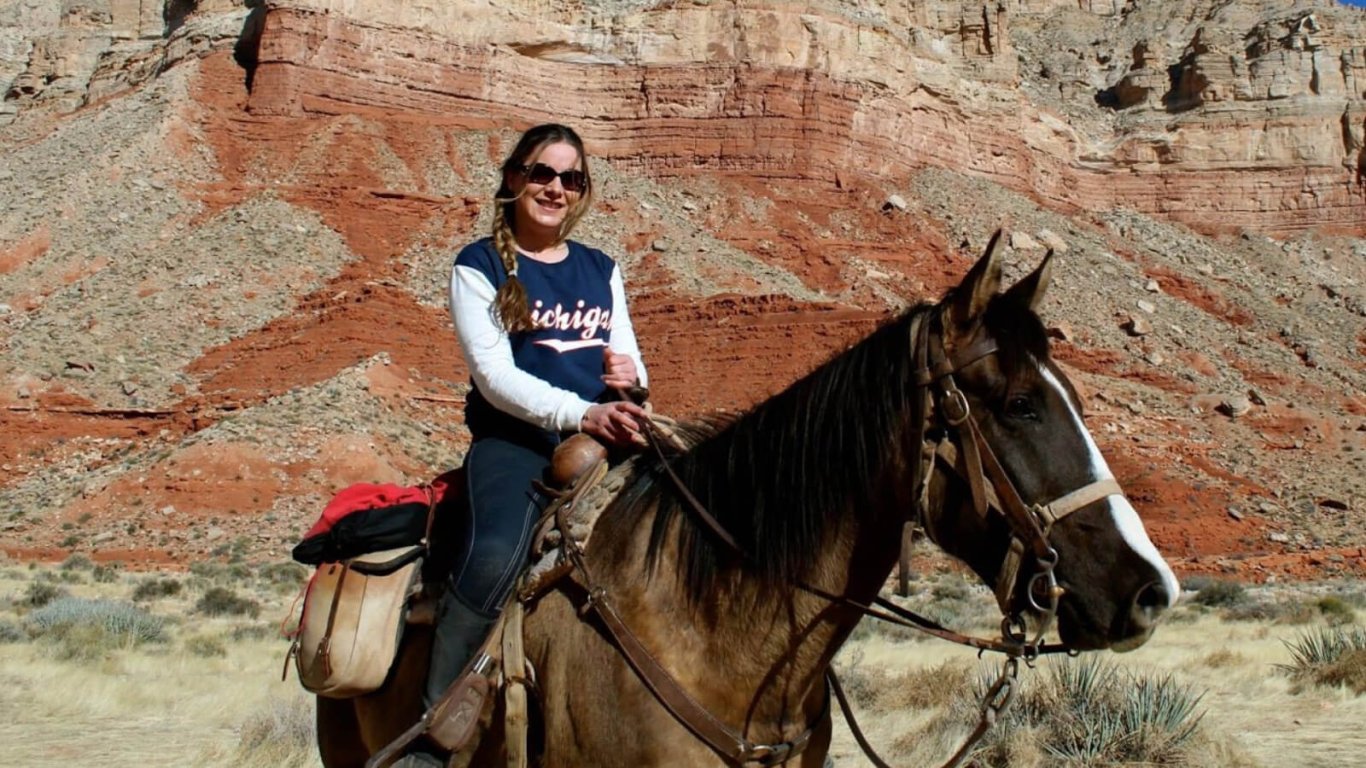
(515, 720)
(391, 750)
(324, 650)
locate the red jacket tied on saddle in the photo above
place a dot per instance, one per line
(369, 517)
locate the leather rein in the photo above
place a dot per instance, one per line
(991, 488)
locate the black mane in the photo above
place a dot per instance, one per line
(774, 476)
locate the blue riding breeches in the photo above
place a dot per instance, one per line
(489, 551)
(503, 509)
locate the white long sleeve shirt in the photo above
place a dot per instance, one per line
(550, 376)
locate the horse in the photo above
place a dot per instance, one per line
(736, 566)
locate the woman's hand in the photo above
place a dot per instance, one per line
(614, 423)
(619, 371)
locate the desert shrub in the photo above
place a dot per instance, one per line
(92, 629)
(280, 734)
(1195, 582)
(1336, 610)
(922, 689)
(1266, 611)
(950, 590)
(1329, 656)
(105, 574)
(235, 550)
(1323, 646)
(859, 685)
(207, 574)
(156, 588)
(86, 642)
(40, 593)
(1221, 594)
(963, 616)
(11, 632)
(77, 562)
(952, 601)
(285, 577)
(209, 571)
(1183, 613)
(1091, 712)
(205, 646)
(1349, 671)
(221, 601)
(253, 632)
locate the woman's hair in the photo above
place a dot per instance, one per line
(510, 303)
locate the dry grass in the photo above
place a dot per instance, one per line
(210, 693)
(1252, 712)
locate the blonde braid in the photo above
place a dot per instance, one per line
(510, 303)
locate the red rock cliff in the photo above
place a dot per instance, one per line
(1206, 131)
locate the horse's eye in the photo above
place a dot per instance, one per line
(1021, 407)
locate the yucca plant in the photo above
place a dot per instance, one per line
(1333, 655)
(1091, 712)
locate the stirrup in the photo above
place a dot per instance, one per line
(451, 721)
(455, 718)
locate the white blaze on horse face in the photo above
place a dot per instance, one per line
(1121, 511)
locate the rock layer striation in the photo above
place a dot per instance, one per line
(1223, 116)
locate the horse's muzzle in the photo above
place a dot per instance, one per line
(1145, 611)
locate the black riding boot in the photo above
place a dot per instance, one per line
(459, 632)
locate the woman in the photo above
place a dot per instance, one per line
(543, 325)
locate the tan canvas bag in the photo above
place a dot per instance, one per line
(353, 618)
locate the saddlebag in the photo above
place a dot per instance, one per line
(353, 618)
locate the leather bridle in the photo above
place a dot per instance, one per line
(1030, 524)
(960, 447)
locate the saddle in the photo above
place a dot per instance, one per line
(581, 485)
(579, 476)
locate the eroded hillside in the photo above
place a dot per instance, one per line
(224, 233)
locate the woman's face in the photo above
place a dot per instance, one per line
(541, 208)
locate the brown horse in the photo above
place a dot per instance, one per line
(814, 486)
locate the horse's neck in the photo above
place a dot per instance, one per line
(757, 654)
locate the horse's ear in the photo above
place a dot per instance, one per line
(1030, 290)
(982, 283)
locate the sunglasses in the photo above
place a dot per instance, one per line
(572, 180)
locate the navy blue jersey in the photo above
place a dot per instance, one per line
(572, 307)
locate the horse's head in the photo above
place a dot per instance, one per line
(1027, 471)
